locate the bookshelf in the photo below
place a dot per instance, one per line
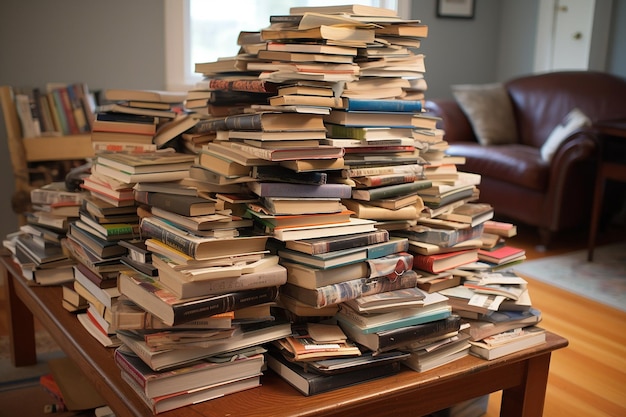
(24, 152)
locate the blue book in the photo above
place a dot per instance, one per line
(383, 105)
(368, 324)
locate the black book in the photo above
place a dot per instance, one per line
(310, 383)
(387, 340)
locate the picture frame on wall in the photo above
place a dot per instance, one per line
(456, 9)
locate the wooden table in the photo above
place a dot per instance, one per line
(522, 376)
(611, 166)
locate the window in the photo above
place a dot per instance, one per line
(197, 31)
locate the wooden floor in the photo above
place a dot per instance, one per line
(588, 378)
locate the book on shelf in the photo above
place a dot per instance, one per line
(333, 259)
(343, 291)
(387, 191)
(333, 243)
(179, 204)
(286, 189)
(310, 383)
(386, 340)
(309, 277)
(222, 368)
(252, 334)
(440, 262)
(200, 247)
(508, 342)
(158, 300)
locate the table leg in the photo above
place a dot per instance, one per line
(527, 399)
(21, 327)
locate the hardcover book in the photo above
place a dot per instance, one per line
(440, 262)
(310, 277)
(285, 189)
(158, 300)
(387, 191)
(181, 204)
(440, 237)
(329, 244)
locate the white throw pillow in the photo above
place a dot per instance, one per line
(573, 121)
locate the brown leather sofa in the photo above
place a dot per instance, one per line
(523, 187)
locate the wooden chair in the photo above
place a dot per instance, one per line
(40, 160)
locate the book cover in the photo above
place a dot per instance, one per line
(393, 320)
(310, 277)
(286, 154)
(147, 162)
(343, 291)
(285, 189)
(334, 243)
(309, 383)
(387, 340)
(199, 247)
(333, 229)
(387, 191)
(194, 375)
(440, 262)
(185, 205)
(158, 300)
(383, 105)
(500, 255)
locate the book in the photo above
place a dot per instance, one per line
(298, 205)
(440, 262)
(364, 210)
(387, 340)
(403, 29)
(122, 108)
(199, 247)
(222, 165)
(354, 225)
(437, 282)
(275, 275)
(311, 48)
(223, 368)
(505, 343)
(309, 277)
(506, 320)
(173, 128)
(439, 236)
(179, 204)
(146, 162)
(310, 383)
(341, 257)
(315, 341)
(94, 243)
(276, 223)
(305, 100)
(334, 243)
(268, 121)
(349, 9)
(343, 291)
(387, 191)
(503, 229)
(346, 35)
(383, 105)
(471, 213)
(117, 94)
(252, 334)
(285, 189)
(501, 255)
(372, 323)
(309, 165)
(284, 154)
(211, 225)
(438, 353)
(194, 396)
(127, 178)
(158, 300)
(370, 118)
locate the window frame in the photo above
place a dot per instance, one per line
(177, 49)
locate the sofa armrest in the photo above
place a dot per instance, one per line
(453, 121)
(572, 168)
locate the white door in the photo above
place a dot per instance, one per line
(572, 34)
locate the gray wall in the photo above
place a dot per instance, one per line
(120, 44)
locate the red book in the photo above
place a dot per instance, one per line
(440, 262)
(501, 255)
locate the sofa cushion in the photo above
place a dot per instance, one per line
(519, 164)
(572, 121)
(489, 110)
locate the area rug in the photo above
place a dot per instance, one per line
(603, 280)
(12, 377)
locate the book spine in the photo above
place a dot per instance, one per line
(253, 86)
(244, 122)
(210, 125)
(391, 179)
(278, 173)
(60, 112)
(129, 369)
(381, 105)
(391, 190)
(390, 339)
(68, 110)
(178, 242)
(220, 304)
